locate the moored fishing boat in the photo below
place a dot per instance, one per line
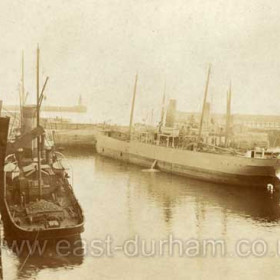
(37, 199)
(30, 212)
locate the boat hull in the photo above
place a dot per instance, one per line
(20, 233)
(17, 233)
(224, 169)
(11, 228)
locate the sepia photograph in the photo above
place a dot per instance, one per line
(139, 139)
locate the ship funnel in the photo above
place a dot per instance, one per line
(29, 118)
(28, 124)
(171, 111)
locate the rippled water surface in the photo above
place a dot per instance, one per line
(125, 205)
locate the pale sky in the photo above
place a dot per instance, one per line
(95, 48)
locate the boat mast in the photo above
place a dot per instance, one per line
(38, 122)
(132, 107)
(163, 104)
(228, 115)
(22, 78)
(204, 102)
(22, 93)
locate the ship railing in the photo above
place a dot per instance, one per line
(61, 158)
(193, 145)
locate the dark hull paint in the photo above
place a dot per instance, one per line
(20, 234)
(13, 229)
(54, 233)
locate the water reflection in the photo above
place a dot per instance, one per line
(259, 205)
(122, 201)
(33, 257)
(172, 191)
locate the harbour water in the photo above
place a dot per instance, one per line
(130, 213)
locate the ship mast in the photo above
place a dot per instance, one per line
(132, 107)
(38, 122)
(22, 79)
(228, 115)
(204, 103)
(163, 104)
(21, 90)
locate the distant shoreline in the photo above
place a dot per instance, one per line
(75, 109)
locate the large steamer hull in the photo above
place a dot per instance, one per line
(225, 169)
